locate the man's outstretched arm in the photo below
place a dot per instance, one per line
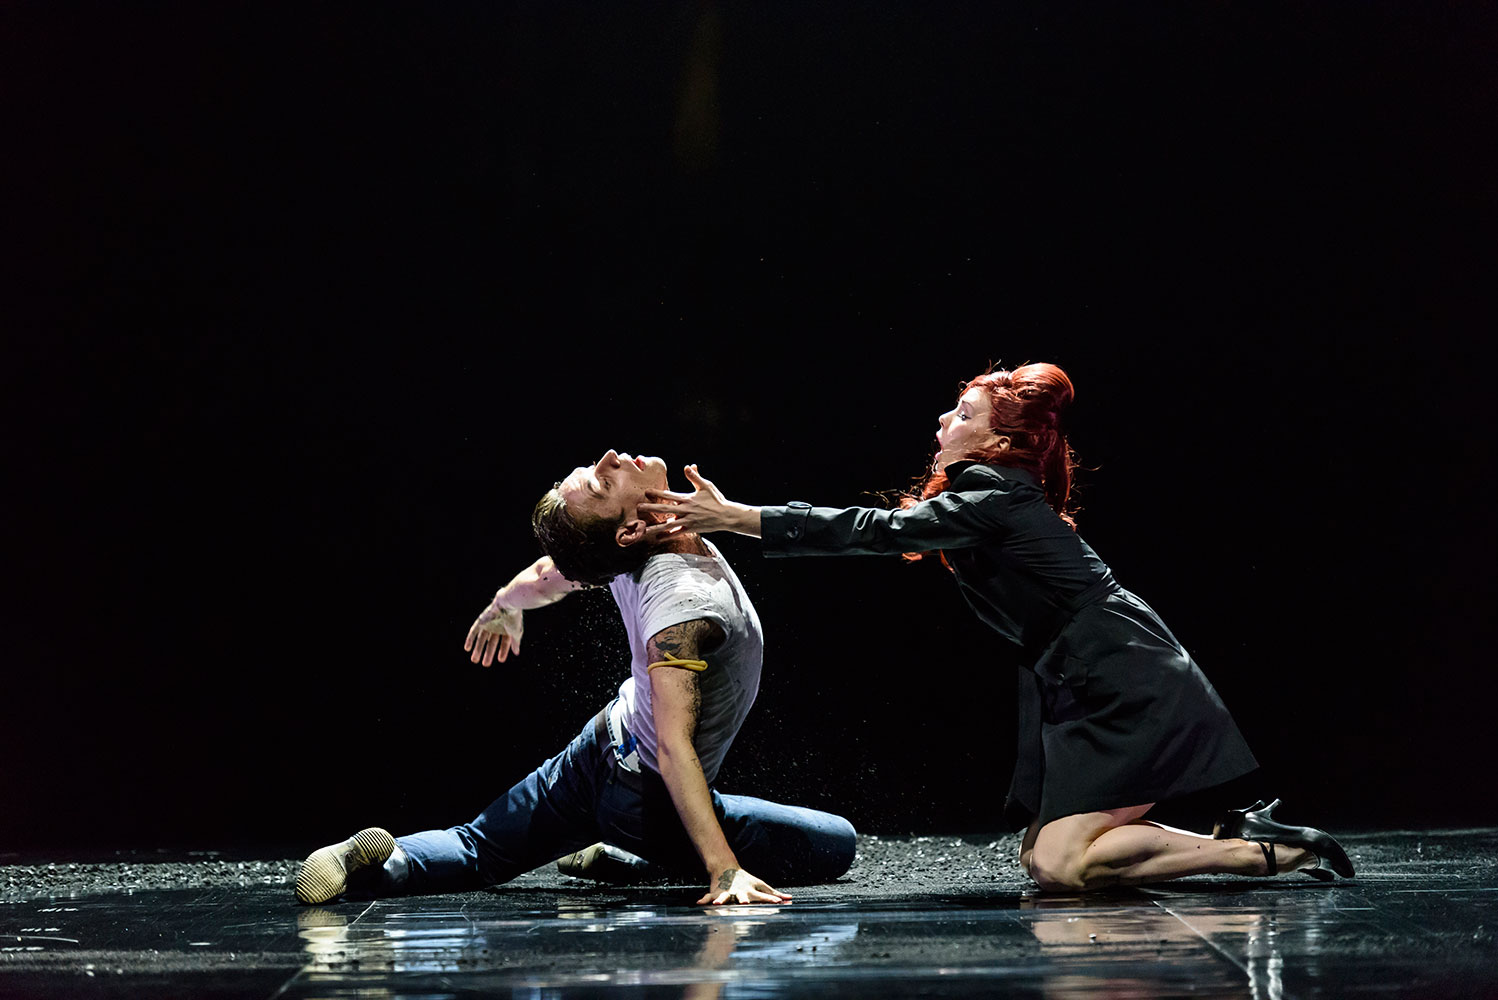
(497, 630)
(676, 697)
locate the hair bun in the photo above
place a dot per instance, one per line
(1044, 380)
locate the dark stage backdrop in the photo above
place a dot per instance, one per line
(309, 302)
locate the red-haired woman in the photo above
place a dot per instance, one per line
(1114, 714)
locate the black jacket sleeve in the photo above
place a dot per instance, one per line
(950, 520)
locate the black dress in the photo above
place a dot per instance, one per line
(1113, 712)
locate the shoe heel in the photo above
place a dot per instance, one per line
(1230, 827)
(324, 875)
(374, 845)
(320, 877)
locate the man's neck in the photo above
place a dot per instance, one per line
(687, 542)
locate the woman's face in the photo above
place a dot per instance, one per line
(964, 429)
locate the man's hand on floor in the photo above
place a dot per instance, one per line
(735, 885)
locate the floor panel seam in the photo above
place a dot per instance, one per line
(307, 965)
(1217, 948)
(372, 904)
(287, 985)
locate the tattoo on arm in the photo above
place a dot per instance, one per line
(725, 881)
(687, 641)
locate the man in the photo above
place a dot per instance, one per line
(639, 776)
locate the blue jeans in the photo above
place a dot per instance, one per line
(583, 796)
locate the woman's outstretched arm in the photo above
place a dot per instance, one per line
(950, 520)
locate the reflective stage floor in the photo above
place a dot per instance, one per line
(911, 920)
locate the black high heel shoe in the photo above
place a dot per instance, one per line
(1257, 823)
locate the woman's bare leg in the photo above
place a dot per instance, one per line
(1027, 848)
(1120, 847)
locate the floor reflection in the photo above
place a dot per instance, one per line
(1205, 941)
(1265, 937)
(1401, 928)
(706, 954)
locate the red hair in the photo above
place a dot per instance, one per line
(1026, 406)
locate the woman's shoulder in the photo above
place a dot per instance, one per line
(981, 476)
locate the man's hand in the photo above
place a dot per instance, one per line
(498, 627)
(496, 631)
(735, 885)
(705, 510)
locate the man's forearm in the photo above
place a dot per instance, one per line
(536, 586)
(682, 773)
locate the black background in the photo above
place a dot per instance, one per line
(309, 302)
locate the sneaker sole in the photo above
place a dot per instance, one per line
(325, 872)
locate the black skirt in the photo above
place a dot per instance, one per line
(1115, 713)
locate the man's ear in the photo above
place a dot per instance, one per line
(629, 533)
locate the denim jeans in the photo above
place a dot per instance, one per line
(583, 795)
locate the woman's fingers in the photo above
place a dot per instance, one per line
(660, 508)
(704, 484)
(655, 494)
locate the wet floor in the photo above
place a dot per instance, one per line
(1417, 922)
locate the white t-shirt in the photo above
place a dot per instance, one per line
(675, 587)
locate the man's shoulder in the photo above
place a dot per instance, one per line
(681, 570)
(676, 587)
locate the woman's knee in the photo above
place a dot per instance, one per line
(1055, 869)
(1061, 858)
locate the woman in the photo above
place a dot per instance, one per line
(1114, 715)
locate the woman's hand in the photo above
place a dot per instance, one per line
(737, 886)
(701, 511)
(495, 631)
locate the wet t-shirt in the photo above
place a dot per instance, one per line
(675, 587)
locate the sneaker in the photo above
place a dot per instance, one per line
(325, 873)
(604, 863)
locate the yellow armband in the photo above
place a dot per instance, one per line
(697, 666)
